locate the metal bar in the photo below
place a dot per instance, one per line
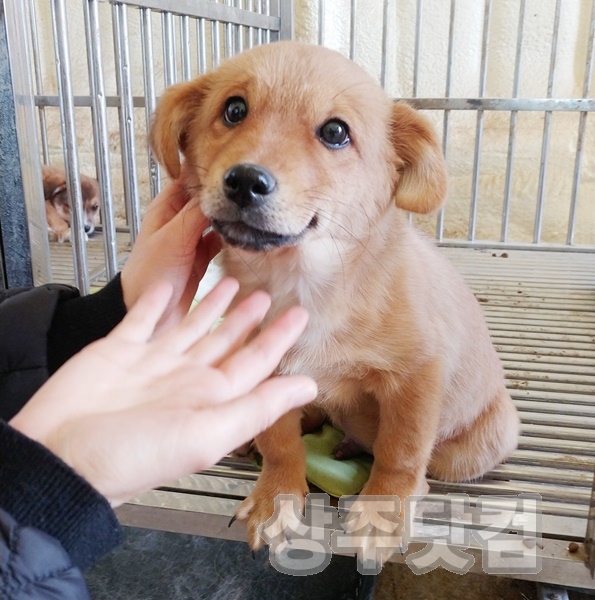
(352, 29)
(479, 125)
(169, 48)
(446, 119)
(417, 50)
(532, 473)
(590, 535)
(502, 104)
(384, 64)
(68, 130)
(581, 134)
(228, 33)
(321, 23)
(546, 132)
(507, 104)
(185, 42)
(512, 129)
(38, 80)
(285, 12)
(250, 30)
(101, 135)
(201, 39)
(209, 10)
(589, 545)
(150, 94)
(215, 44)
(123, 78)
(238, 34)
(549, 445)
(259, 31)
(509, 246)
(267, 10)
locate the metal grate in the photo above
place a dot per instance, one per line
(61, 259)
(418, 36)
(540, 308)
(153, 45)
(537, 290)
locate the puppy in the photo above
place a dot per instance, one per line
(57, 204)
(305, 166)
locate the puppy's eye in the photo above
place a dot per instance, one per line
(334, 134)
(95, 207)
(235, 111)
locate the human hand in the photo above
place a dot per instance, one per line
(170, 246)
(133, 411)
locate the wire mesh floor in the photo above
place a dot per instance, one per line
(540, 308)
(62, 264)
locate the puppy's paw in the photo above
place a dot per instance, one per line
(58, 235)
(372, 529)
(276, 520)
(374, 523)
(62, 235)
(245, 450)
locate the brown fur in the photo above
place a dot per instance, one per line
(57, 203)
(396, 341)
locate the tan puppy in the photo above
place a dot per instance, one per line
(303, 162)
(57, 204)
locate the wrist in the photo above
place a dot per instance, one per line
(39, 490)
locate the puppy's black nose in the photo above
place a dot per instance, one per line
(246, 184)
(87, 228)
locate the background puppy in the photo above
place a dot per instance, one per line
(303, 164)
(57, 205)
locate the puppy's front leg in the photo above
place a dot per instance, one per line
(283, 472)
(58, 228)
(408, 423)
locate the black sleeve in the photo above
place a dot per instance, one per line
(79, 321)
(42, 327)
(25, 318)
(38, 490)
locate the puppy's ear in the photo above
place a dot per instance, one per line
(54, 181)
(171, 120)
(422, 184)
(58, 190)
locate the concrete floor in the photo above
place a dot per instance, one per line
(152, 565)
(398, 582)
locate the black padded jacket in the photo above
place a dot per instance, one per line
(53, 524)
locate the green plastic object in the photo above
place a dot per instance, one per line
(335, 477)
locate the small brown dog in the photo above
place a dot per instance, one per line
(57, 205)
(302, 162)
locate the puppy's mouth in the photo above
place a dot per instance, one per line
(246, 237)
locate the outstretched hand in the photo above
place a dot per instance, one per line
(136, 410)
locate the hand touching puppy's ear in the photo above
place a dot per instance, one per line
(171, 121)
(421, 182)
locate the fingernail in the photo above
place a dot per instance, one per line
(306, 392)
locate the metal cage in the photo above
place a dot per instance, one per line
(536, 284)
